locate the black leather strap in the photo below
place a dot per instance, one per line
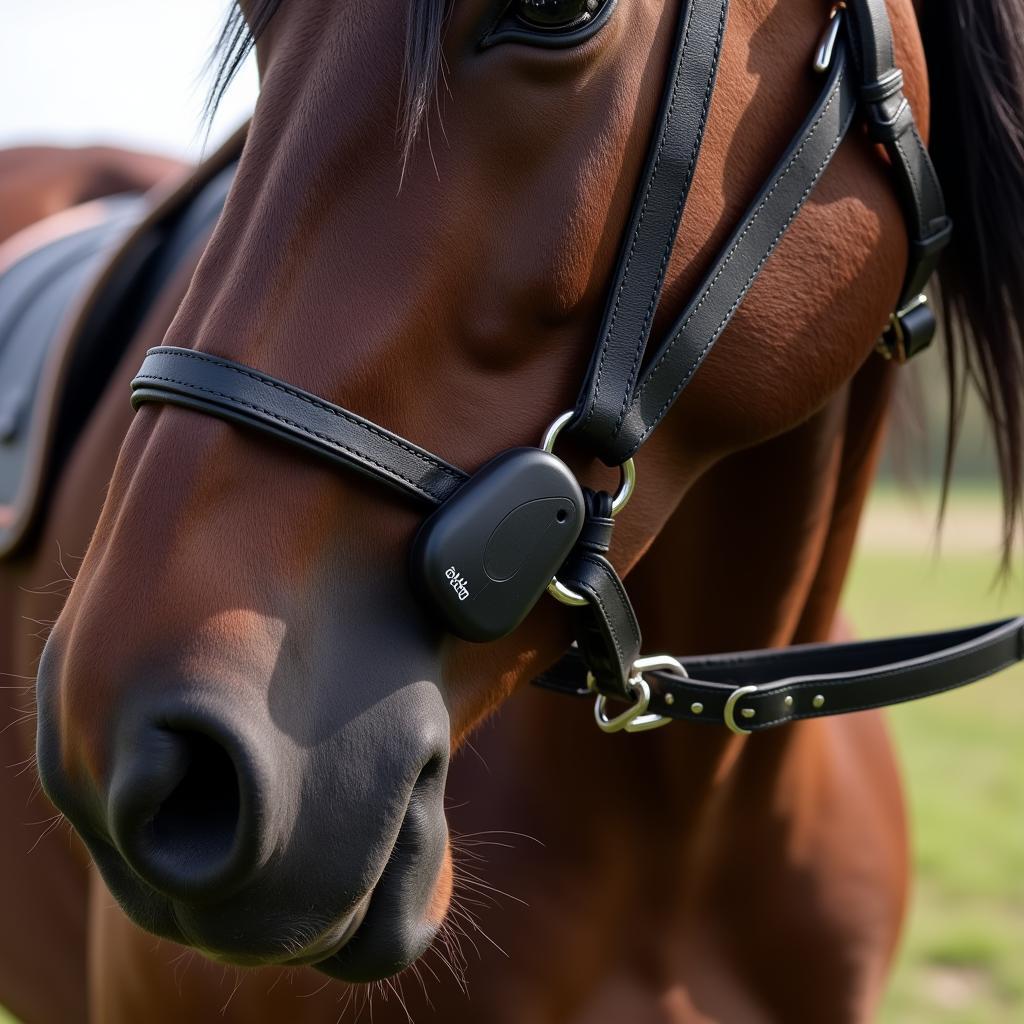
(616, 410)
(617, 437)
(658, 206)
(607, 633)
(744, 255)
(772, 687)
(231, 391)
(606, 630)
(891, 123)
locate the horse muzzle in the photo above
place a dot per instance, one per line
(215, 828)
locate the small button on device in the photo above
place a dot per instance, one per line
(487, 555)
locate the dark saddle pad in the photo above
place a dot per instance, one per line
(68, 310)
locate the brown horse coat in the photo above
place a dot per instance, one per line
(682, 875)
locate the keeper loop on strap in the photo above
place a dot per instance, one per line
(885, 127)
(890, 84)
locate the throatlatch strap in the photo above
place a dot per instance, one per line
(755, 690)
(231, 391)
(891, 123)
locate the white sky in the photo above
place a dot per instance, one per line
(122, 71)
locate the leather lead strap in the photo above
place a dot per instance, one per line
(817, 680)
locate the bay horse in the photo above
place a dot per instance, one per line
(254, 717)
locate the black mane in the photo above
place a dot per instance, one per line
(976, 54)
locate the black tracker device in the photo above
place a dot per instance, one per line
(485, 557)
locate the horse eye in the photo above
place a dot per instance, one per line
(556, 15)
(550, 24)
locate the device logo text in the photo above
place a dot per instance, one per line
(458, 583)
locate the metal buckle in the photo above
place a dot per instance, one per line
(558, 590)
(730, 709)
(635, 718)
(566, 595)
(826, 47)
(892, 345)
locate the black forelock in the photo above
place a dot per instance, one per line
(422, 71)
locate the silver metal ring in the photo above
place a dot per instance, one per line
(641, 691)
(556, 588)
(654, 663)
(635, 717)
(730, 708)
(627, 484)
(560, 592)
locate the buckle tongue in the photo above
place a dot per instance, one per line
(826, 47)
(730, 709)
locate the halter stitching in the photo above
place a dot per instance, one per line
(606, 343)
(356, 421)
(732, 309)
(357, 455)
(617, 583)
(684, 192)
(888, 702)
(750, 224)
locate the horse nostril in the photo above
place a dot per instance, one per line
(199, 818)
(180, 815)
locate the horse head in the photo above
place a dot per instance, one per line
(244, 709)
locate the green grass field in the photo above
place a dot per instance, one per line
(962, 959)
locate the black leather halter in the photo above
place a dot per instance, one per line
(496, 540)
